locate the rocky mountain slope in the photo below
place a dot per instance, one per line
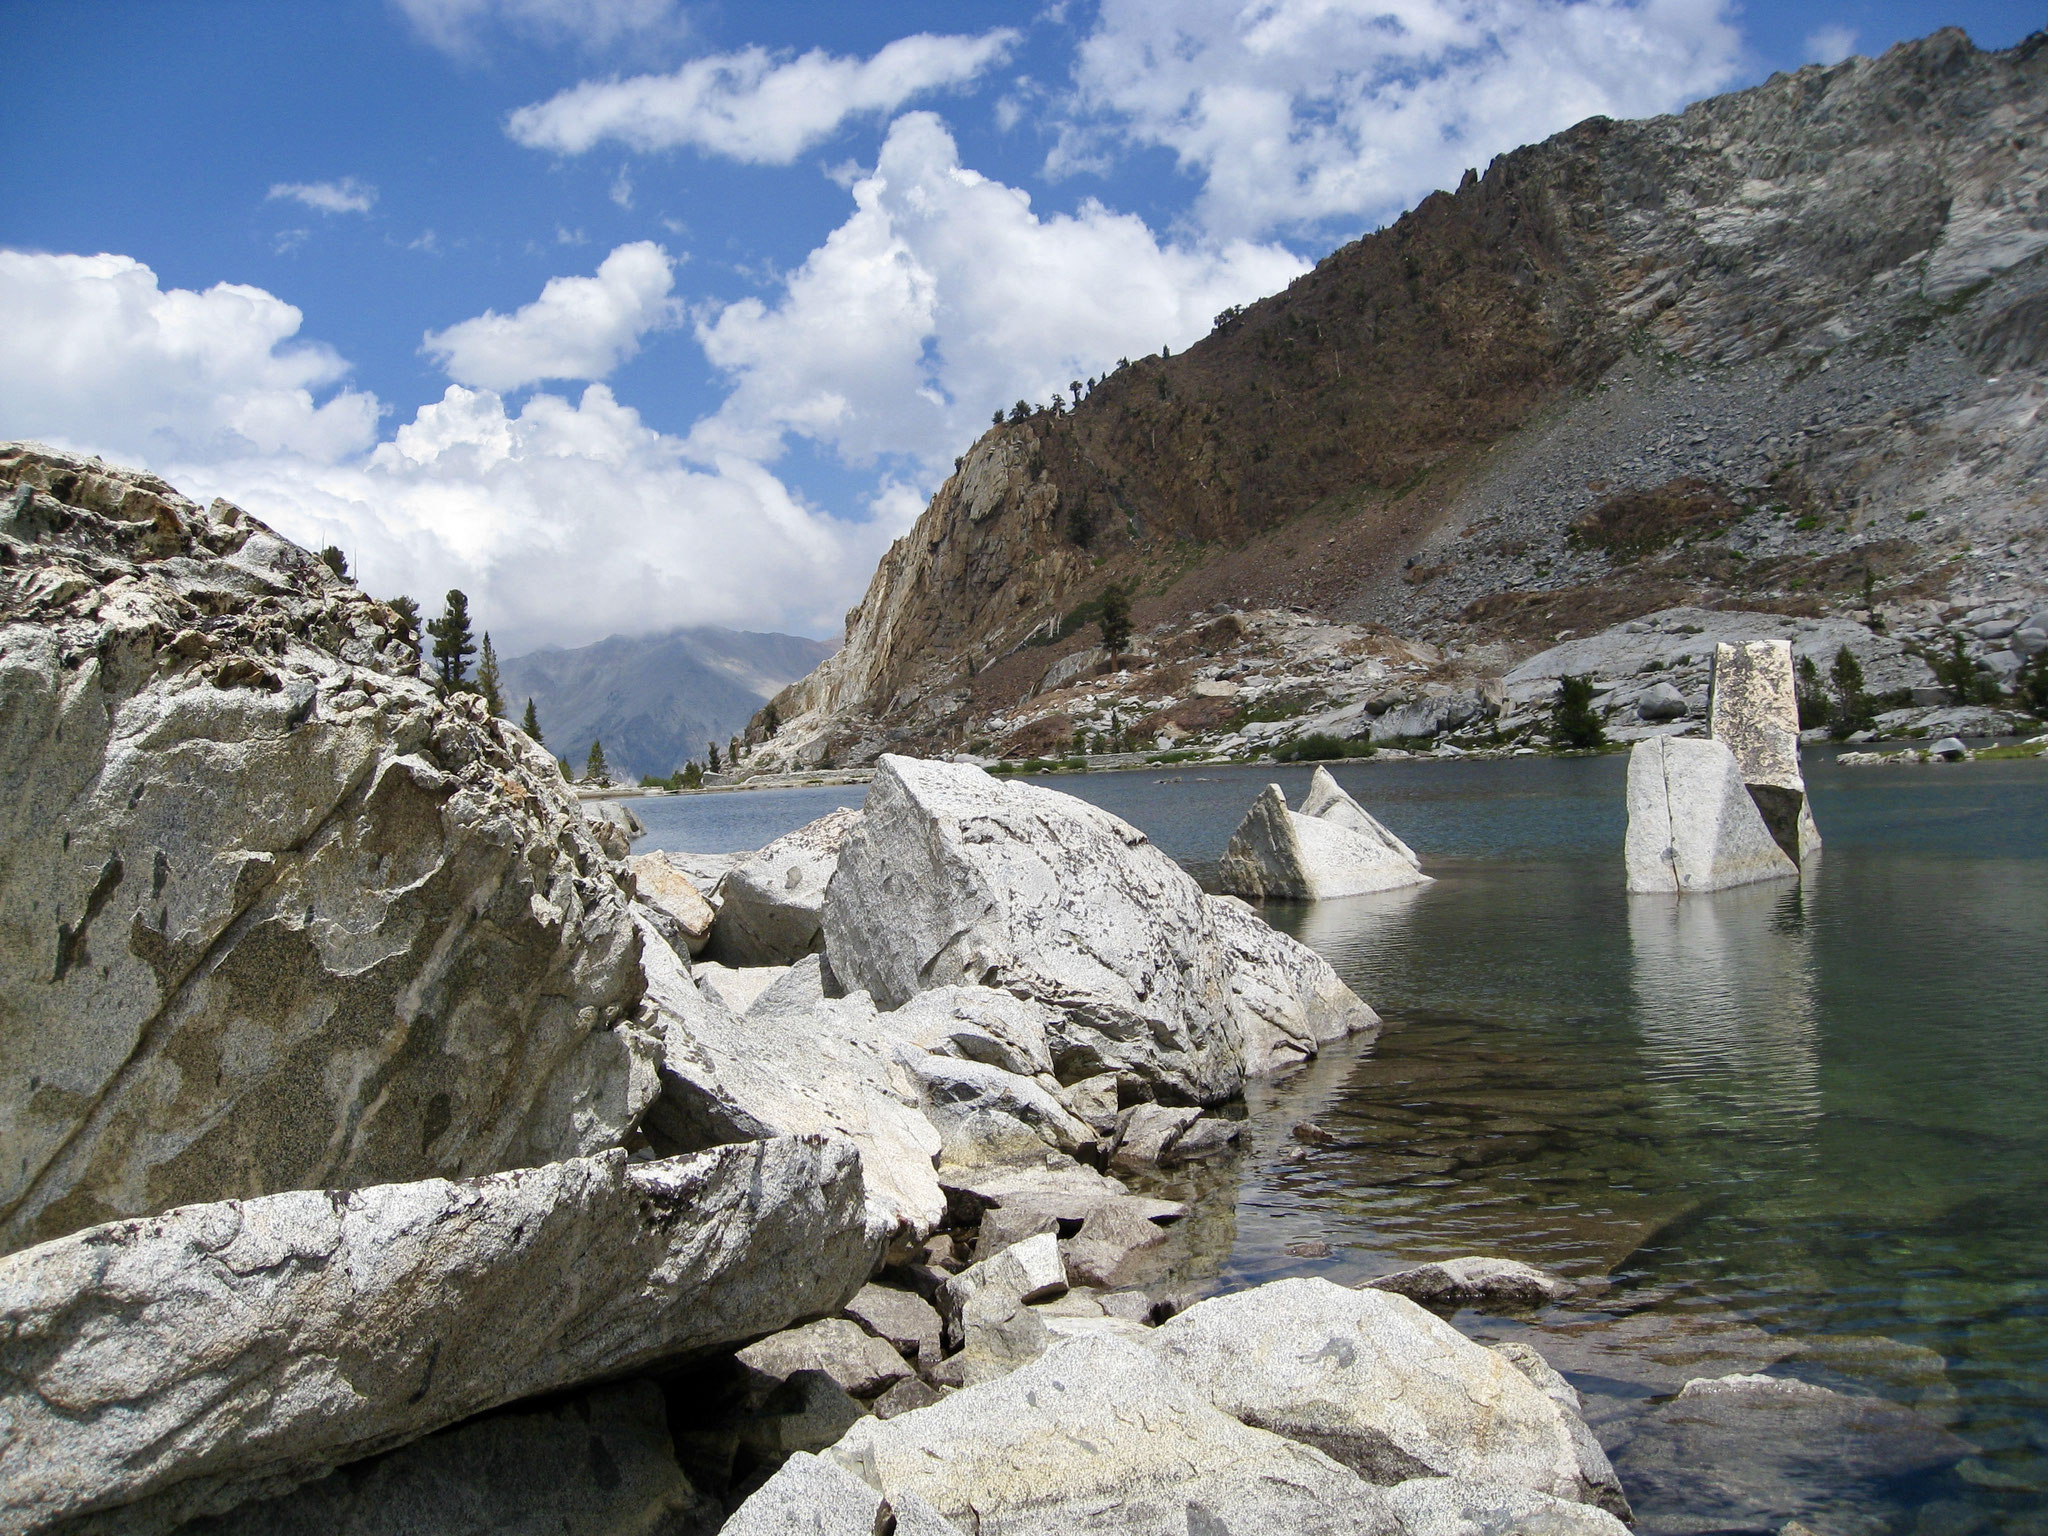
(1782, 351)
(654, 700)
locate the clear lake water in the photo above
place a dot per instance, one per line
(1799, 1129)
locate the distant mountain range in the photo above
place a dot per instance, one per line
(654, 700)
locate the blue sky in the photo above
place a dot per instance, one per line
(629, 313)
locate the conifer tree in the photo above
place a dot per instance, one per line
(594, 769)
(487, 678)
(335, 560)
(1573, 722)
(454, 641)
(1116, 618)
(711, 754)
(531, 725)
(408, 613)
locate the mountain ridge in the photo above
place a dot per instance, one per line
(655, 701)
(1811, 298)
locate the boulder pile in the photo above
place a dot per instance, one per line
(368, 1120)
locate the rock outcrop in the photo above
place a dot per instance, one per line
(769, 905)
(273, 915)
(1692, 825)
(193, 1357)
(1775, 352)
(1099, 1435)
(1331, 847)
(1379, 1384)
(1476, 1281)
(796, 1062)
(673, 902)
(955, 879)
(1754, 711)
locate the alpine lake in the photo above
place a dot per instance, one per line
(1794, 1129)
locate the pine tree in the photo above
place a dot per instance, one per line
(1573, 723)
(454, 642)
(408, 613)
(335, 560)
(732, 750)
(487, 678)
(1116, 618)
(1814, 706)
(531, 725)
(594, 769)
(1852, 704)
(711, 754)
(771, 720)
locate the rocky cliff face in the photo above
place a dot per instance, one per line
(273, 916)
(1783, 349)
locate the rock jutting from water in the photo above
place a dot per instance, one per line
(1753, 709)
(1331, 847)
(1692, 825)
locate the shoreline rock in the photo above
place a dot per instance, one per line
(190, 1358)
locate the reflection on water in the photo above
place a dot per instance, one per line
(1724, 999)
(1788, 1128)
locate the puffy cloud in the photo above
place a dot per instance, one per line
(943, 296)
(1830, 45)
(457, 26)
(347, 195)
(579, 327)
(753, 105)
(566, 522)
(1296, 112)
(94, 354)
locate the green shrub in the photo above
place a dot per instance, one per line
(1321, 748)
(1574, 724)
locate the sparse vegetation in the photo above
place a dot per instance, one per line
(1574, 724)
(1321, 748)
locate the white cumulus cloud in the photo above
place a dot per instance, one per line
(1296, 112)
(347, 195)
(753, 105)
(579, 327)
(566, 521)
(1830, 45)
(94, 354)
(458, 26)
(944, 296)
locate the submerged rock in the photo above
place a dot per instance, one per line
(1276, 852)
(273, 914)
(1692, 825)
(1753, 709)
(769, 904)
(200, 1355)
(1474, 1281)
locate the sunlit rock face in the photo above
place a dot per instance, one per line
(273, 915)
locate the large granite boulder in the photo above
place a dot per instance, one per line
(769, 904)
(597, 1463)
(1385, 1387)
(1276, 852)
(797, 1061)
(273, 915)
(1692, 825)
(956, 879)
(192, 1357)
(1288, 1001)
(1753, 709)
(1327, 800)
(1098, 1436)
